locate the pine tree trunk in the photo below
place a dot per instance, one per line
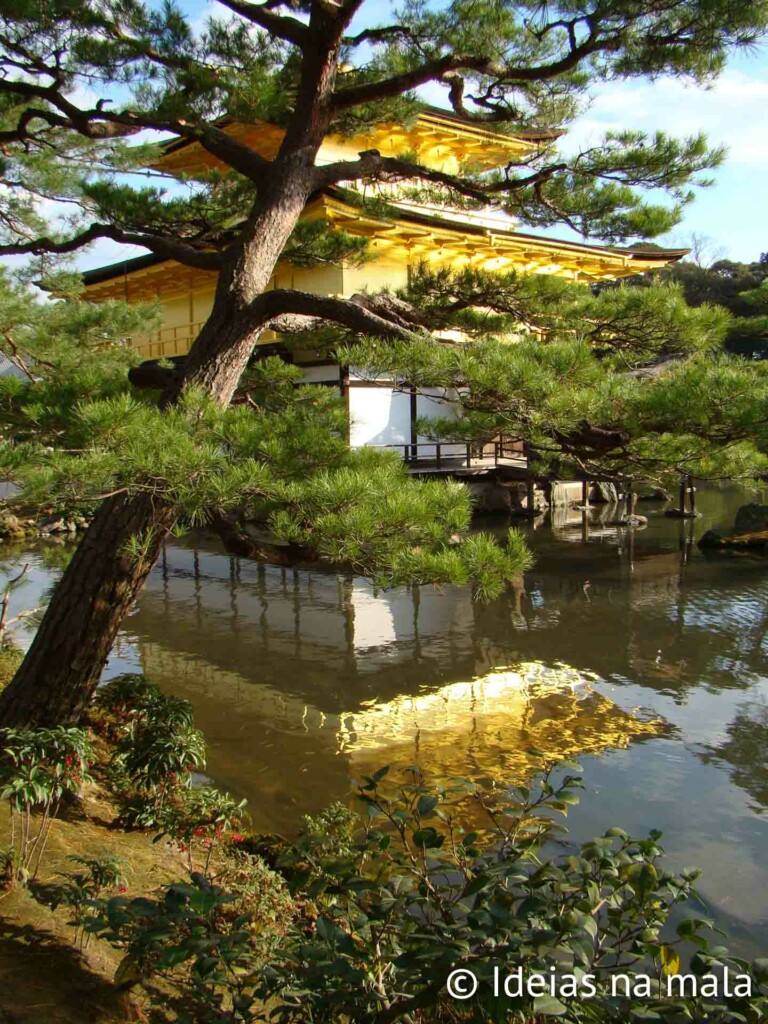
(98, 588)
(64, 663)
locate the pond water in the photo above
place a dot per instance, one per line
(634, 652)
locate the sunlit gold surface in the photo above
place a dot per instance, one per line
(186, 294)
(267, 742)
(487, 727)
(439, 141)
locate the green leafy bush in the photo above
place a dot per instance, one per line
(38, 767)
(203, 819)
(156, 747)
(81, 892)
(125, 698)
(387, 902)
(196, 938)
(423, 892)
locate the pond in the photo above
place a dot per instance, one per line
(634, 652)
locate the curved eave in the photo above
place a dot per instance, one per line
(413, 238)
(435, 136)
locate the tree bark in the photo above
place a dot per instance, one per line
(96, 592)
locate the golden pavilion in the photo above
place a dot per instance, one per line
(488, 239)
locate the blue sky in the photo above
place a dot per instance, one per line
(732, 214)
(733, 112)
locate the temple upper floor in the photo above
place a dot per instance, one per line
(438, 139)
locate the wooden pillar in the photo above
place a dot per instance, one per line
(414, 415)
(530, 496)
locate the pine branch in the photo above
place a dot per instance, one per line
(371, 164)
(165, 247)
(438, 69)
(379, 35)
(98, 123)
(288, 29)
(347, 312)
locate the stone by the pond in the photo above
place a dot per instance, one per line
(653, 494)
(678, 513)
(711, 539)
(53, 524)
(630, 521)
(603, 493)
(751, 518)
(11, 526)
(756, 541)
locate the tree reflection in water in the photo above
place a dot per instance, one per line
(745, 752)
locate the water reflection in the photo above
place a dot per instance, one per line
(301, 680)
(745, 752)
(486, 729)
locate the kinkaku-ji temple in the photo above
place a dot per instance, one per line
(381, 412)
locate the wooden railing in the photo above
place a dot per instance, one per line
(467, 453)
(167, 341)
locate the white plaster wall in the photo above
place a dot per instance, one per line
(320, 374)
(378, 415)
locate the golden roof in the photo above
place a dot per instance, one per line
(409, 238)
(435, 237)
(440, 140)
(487, 727)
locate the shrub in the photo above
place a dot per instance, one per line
(120, 702)
(82, 892)
(261, 894)
(421, 893)
(156, 746)
(37, 768)
(195, 940)
(203, 819)
(390, 901)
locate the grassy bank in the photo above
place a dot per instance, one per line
(44, 976)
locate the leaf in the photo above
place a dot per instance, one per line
(549, 1006)
(642, 878)
(616, 833)
(426, 805)
(127, 973)
(174, 956)
(429, 838)
(205, 901)
(566, 797)
(670, 961)
(326, 929)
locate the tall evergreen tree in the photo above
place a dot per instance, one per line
(741, 288)
(316, 67)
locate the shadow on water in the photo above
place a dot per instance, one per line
(628, 649)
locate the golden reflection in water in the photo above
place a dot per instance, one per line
(486, 728)
(290, 756)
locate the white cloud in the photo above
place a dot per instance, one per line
(733, 112)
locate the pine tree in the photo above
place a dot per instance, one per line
(741, 288)
(315, 67)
